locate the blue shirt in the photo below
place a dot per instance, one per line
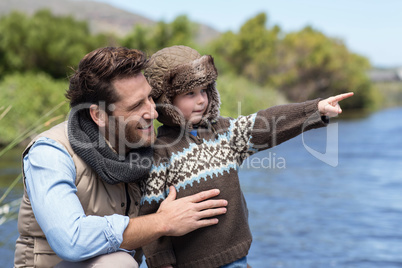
(194, 132)
(50, 183)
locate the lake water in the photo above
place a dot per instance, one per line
(303, 211)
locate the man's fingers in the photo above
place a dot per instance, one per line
(207, 222)
(211, 204)
(172, 193)
(208, 213)
(201, 196)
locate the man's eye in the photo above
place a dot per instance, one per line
(135, 107)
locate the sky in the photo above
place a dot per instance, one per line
(371, 28)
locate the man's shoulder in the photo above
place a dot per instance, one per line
(58, 133)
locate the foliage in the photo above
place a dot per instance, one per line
(44, 43)
(313, 65)
(150, 39)
(239, 96)
(251, 52)
(302, 65)
(29, 96)
(257, 66)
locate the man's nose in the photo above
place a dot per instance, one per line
(151, 112)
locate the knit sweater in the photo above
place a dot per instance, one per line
(211, 160)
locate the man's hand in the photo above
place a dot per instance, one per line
(189, 213)
(174, 218)
(330, 106)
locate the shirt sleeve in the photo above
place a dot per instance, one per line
(50, 182)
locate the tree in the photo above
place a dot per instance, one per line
(302, 65)
(152, 38)
(13, 43)
(44, 43)
(252, 51)
(313, 65)
(138, 38)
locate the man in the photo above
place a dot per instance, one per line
(81, 177)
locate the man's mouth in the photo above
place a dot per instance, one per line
(146, 127)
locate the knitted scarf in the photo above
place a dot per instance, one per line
(89, 144)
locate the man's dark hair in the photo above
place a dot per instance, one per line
(92, 82)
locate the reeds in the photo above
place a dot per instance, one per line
(9, 211)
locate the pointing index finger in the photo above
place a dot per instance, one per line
(343, 96)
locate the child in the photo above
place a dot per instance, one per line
(197, 150)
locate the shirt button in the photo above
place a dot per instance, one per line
(122, 204)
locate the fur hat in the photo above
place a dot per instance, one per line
(178, 69)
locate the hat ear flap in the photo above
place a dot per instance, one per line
(214, 101)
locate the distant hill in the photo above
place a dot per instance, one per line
(102, 17)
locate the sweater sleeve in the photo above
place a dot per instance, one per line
(154, 191)
(270, 127)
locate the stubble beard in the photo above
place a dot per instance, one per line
(125, 136)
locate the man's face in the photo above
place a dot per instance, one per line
(131, 121)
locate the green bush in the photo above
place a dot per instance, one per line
(25, 98)
(239, 96)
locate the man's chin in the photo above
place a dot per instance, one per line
(144, 142)
(149, 142)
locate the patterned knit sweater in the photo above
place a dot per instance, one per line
(211, 160)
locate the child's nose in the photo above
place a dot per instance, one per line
(201, 99)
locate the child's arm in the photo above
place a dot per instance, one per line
(270, 127)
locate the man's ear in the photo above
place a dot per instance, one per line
(98, 115)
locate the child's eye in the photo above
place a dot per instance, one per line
(189, 93)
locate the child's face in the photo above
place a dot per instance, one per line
(192, 104)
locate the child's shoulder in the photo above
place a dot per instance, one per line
(221, 122)
(228, 122)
